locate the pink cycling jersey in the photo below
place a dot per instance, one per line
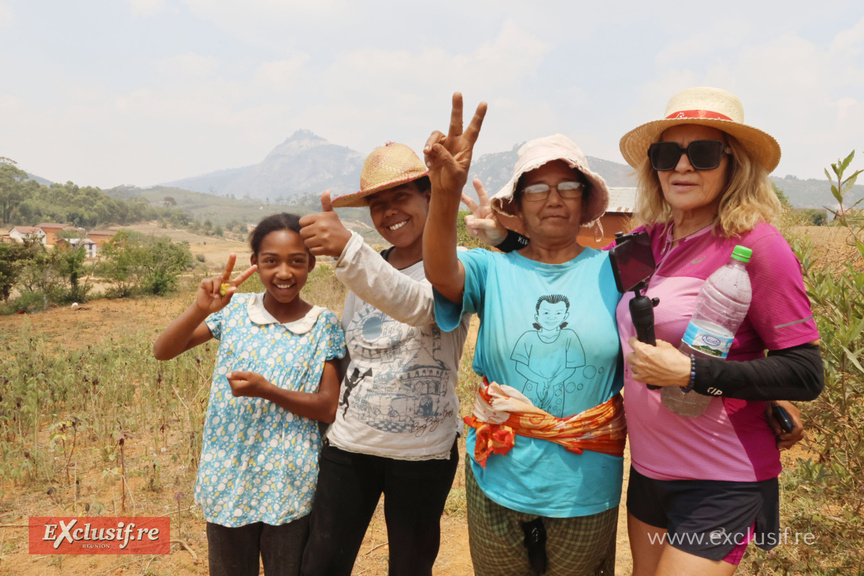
(731, 440)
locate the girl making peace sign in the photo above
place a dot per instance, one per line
(276, 377)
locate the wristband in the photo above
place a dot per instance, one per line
(692, 381)
(513, 241)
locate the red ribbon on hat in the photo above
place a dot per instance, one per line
(698, 114)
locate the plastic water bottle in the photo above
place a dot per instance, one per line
(721, 307)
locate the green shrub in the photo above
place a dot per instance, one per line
(823, 494)
(27, 302)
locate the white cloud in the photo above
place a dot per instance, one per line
(849, 42)
(282, 75)
(187, 65)
(146, 7)
(373, 95)
(7, 15)
(808, 96)
(215, 84)
(267, 9)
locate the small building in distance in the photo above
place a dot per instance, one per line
(90, 247)
(51, 230)
(622, 203)
(100, 237)
(49, 234)
(22, 233)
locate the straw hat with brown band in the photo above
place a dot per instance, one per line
(707, 107)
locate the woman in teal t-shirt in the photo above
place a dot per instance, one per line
(541, 495)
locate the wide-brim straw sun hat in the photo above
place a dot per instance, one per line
(534, 154)
(386, 167)
(704, 106)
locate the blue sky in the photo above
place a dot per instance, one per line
(110, 92)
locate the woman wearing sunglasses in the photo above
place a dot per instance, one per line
(701, 488)
(545, 447)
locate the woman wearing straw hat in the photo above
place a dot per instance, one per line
(702, 487)
(544, 470)
(397, 421)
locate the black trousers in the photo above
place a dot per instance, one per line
(235, 551)
(349, 487)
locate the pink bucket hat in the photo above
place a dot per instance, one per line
(707, 107)
(534, 154)
(386, 167)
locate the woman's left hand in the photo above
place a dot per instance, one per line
(786, 440)
(660, 365)
(482, 223)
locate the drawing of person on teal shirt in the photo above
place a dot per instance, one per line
(548, 355)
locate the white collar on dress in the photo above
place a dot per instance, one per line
(259, 315)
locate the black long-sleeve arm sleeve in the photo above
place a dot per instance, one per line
(790, 374)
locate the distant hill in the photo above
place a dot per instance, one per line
(303, 164)
(221, 210)
(39, 179)
(813, 193)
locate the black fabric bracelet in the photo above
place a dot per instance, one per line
(513, 241)
(790, 374)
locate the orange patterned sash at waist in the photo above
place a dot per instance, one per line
(502, 412)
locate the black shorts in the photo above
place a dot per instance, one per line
(711, 519)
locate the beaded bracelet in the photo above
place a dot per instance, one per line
(692, 382)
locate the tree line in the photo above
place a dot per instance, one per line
(26, 202)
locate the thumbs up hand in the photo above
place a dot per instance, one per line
(323, 233)
(326, 204)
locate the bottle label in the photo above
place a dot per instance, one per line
(709, 343)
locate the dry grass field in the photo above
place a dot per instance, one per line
(158, 420)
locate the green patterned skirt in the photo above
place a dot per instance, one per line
(580, 546)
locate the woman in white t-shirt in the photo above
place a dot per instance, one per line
(397, 422)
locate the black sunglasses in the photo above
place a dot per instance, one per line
(703, 154)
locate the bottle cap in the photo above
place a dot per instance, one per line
(742, 253)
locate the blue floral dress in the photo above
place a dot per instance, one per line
(259, 462)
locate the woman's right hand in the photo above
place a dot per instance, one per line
(660, 365)
(482, 223)
(215, 293)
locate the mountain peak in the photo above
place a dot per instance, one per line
(301, 140)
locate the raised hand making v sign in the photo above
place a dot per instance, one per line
(189, 330)
(449, 159)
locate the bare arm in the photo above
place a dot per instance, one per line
(184, 333)
(320, 405)
(448, 158)
(189, 330)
